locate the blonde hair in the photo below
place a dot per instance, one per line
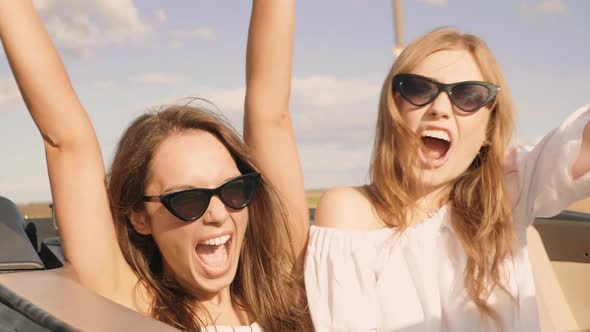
(268, 283)
(481, 213)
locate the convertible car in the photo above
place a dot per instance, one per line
(40, 292)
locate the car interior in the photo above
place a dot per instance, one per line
(39, 291)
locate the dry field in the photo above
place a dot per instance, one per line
(42, 210)
(581, 206)
(35, 210)
(313, 196)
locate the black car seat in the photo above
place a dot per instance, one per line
(16, 250)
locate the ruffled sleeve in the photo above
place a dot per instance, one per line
(340, 280)
(539, 178)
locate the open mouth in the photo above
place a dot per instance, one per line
(215, 254)
(435, 146)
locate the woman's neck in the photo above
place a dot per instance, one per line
(215, 308)
(222, 310)
(428, 202)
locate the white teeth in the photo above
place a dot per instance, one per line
(216, 241)
(440, 134)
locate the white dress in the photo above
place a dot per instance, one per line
(223, 328)
(375, 281)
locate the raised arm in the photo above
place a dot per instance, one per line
(546, 178)
(267, 123)
(74, 160)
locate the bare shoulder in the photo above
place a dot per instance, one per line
(346, 208)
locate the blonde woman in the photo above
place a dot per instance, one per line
(437, 240)
(190, 230)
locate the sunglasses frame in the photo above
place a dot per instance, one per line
(166, 199)
(493, 89)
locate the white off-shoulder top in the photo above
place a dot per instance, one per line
(414, 281)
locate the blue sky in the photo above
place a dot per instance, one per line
(125, 56)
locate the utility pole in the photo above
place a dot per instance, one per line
(398, 27)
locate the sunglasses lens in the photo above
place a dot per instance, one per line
(469, 97)
(418, 91)
(238, 193)
(190, 204)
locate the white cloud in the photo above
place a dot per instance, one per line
(553, 7)
(314, 92)
(199, 33)
(175, 44)
(161, 16)
(231, 100)
(158, 78)
(438, 3)
(328, 91)
(179, 37)
(26, 187)
(228, 101)
(318, 162)
(325, 109)
(24, 177)
(334, 122)
(8, 91)
(81, 25)
(546, 7)
(105, 84)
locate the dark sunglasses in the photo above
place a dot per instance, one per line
(191, 204)
(468, 96)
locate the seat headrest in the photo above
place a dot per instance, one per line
(16, 250)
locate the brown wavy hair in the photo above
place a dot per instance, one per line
(268, 283)
(481, 211)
